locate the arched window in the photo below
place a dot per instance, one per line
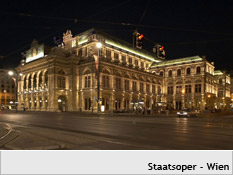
(30, 81)
(178, 72)
(34, 81)
(188, 71)
(40, 79)
(46, 79)
(25, 83)
(198, 70)
(170, 73)
(161, 73)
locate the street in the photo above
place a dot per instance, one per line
(89, 131)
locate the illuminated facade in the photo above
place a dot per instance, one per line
(131, 79)
(224, 89)
(192, 82)
(7, 90)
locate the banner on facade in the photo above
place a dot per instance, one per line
(96, 65)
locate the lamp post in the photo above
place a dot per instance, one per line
(11, 73)
(99, 46)
(5, 97)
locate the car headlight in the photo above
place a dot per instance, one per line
(185, 113)
(178, 113)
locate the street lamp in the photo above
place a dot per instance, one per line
(11, 73)
(99, 46)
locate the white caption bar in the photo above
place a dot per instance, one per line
(116, 162)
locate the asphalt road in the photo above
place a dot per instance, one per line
(207, 133)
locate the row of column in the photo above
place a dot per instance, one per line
(33, 102)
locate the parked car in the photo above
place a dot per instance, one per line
(188, 113)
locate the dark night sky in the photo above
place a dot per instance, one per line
(185, 28)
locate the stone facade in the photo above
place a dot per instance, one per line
(65, 78)
(192, 83)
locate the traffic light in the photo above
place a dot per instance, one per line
(139, 40)
(161, 52)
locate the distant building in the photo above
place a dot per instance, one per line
(224, 88)
(64, 78)
(7, 90)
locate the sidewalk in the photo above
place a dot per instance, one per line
(140, 115)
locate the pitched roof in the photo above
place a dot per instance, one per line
(118, 43)
(177, 61)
